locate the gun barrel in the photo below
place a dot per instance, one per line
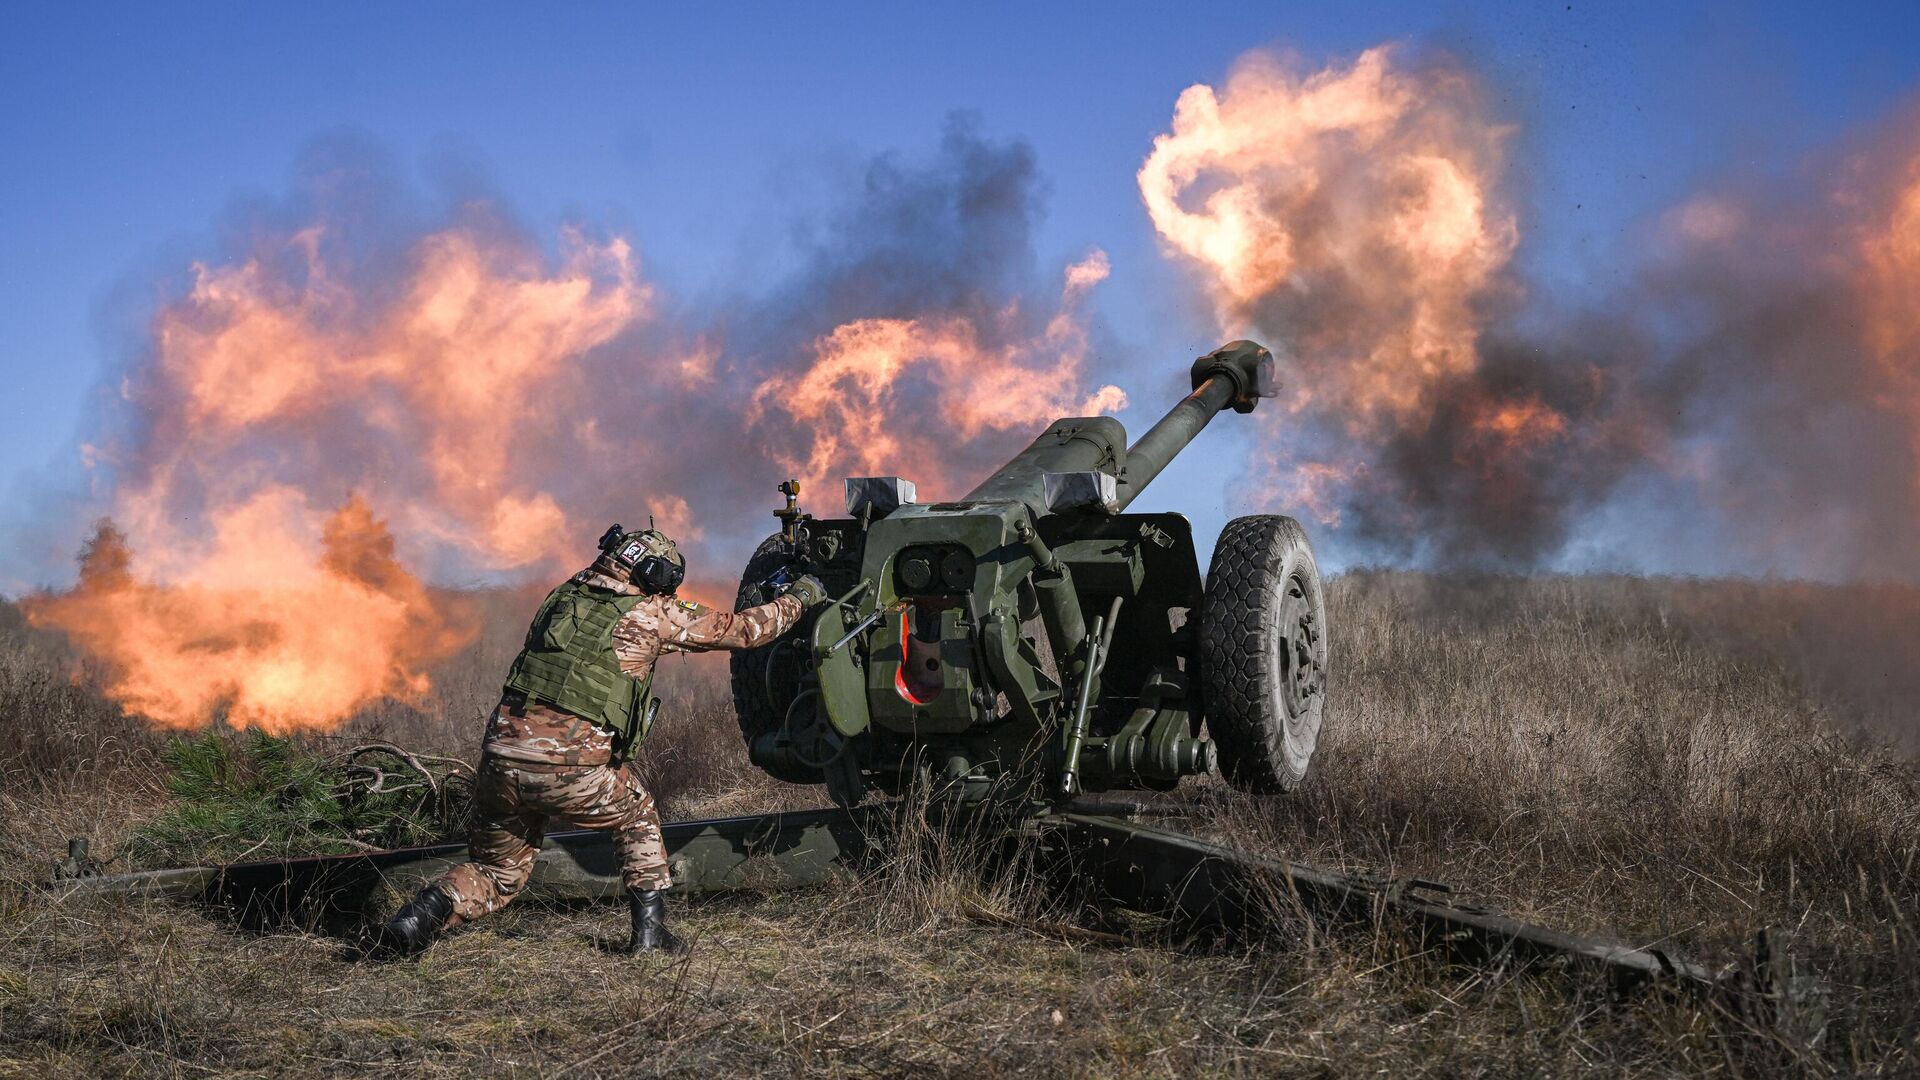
(1237, 374)
(1075, 444)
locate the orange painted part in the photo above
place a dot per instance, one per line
(900, 684)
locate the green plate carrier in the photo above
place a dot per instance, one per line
(568, 663)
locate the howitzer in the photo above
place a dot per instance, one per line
(1033, 634)
(1032, 638)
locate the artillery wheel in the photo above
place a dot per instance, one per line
(767, 679)
(1263, 652)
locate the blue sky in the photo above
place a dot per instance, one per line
(128, 130)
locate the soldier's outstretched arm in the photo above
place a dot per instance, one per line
(689, 627)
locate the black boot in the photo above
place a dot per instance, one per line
(650, 931)
(412, 927)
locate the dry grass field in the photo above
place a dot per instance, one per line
(1680, 762)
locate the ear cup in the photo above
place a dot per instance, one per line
(659, 574)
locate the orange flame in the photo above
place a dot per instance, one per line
(274, 396)
(1766, 353)
(299, 636)
(477, 329)
(1518, 423)
(1353, 210)
(854, 419)
(309, 435)
(1364, 189)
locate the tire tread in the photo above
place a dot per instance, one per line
(1237, 633)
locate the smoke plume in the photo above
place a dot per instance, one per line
(360, 390)
(1747, 403)
(358, 395)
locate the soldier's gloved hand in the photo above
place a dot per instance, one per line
(810, 590)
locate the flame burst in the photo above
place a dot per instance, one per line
(858, 411)
(431, 381)
(1765, 353)
(285, 624)
(1350, 214)
(291, 417)
(1351, 206)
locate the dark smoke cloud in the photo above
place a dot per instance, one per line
(951, 231)
(1748, 402)
(1727, 412)
(946, 234)
(1448, 491)
(936, 239)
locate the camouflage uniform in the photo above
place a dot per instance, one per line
(539, 762)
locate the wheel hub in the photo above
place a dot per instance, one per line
(1302, 672)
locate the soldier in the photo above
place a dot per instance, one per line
(576, 704)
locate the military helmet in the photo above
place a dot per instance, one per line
(647, 557)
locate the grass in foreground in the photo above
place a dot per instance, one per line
(824, 983)
(1655, 758)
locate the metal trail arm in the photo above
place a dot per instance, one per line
(1195, 884)
(797, 848)
(1199, 883)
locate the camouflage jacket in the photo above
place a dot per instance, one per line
(522, 731)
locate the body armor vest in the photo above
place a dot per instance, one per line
(568, 663)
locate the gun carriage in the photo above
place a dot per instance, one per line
(1033, 636)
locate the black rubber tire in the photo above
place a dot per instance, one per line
(758, 707)
(1263, 652)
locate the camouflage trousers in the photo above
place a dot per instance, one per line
(514, 800)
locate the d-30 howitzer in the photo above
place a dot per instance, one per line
(1032, 635)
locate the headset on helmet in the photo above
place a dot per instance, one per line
(648, 557)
